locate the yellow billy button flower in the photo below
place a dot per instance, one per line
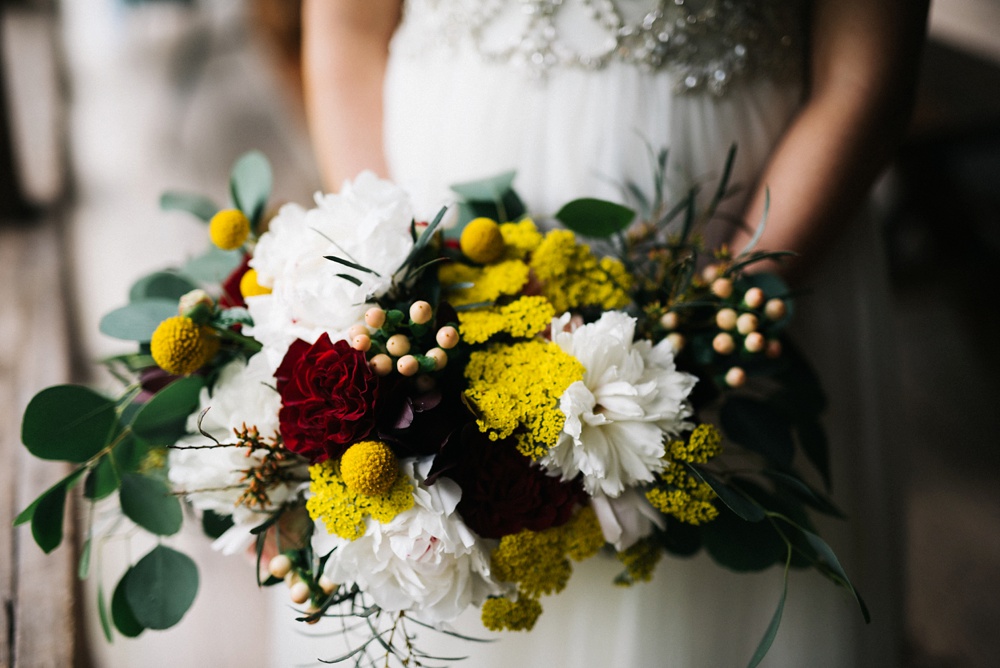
(181, 346)
(249, 287)
(229, 229)
(369, 468)
(482, 241)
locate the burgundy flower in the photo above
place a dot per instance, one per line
(231, 295)
(503, 492)
(328, 394)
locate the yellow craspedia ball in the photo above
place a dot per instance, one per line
(181, 346)
(229, 229)
(249, 287)
(482, 241)
(369, 468)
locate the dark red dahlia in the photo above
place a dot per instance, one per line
(328, 395)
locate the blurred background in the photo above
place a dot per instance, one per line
(106, 103)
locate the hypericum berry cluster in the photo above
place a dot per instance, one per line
(302, 587)
(407, 345)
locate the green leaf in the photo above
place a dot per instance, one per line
(759, 427)
(47, 521)
(161, 587)
(486, 190)
(102, 614)
(759, 232)
(805, 493)
(130, 453)
(237, 315)
(348, 263)
(102, 480)
(149, 503)
(214, 265)
(28, 513)
(742, 546)
(137, 321)
(214, 524)
(161, 285)
(826, 553)
(121, 611)
(201, 207)
(67, 422)
(772, 627)
(736, 502)
(250, 185)
(162, 419)
(595, 218)
(83, 567)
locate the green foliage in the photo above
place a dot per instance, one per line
(214, 524)
(595, 218)
(83, 567)
(149, 503)
(213, 266)
(199, 206)
(130, 453)
(757, 426)
(47, 518)
(742, 546)
(121, 610)
(826, 554)
(162, 419)
(492, 197)
(137, 321)
(772, 628)
(103, 479)
(102, 613)
(250, 185)
(68, 423)
(745, 508)
(161, 587)
(161, 285)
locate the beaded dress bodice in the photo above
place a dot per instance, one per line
(705, 44)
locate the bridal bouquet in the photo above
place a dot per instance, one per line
(402, 419)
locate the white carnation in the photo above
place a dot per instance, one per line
(425, 561)
(367, 223)
(627, 519)
(630, 398)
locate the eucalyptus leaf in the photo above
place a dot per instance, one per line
(198, 205)
(214, 524)
(757, 426)
(595, 218)
(47, 520)
(827, 555)
(739, 504)
(138, 320)
(163, 418)
(214, 265)
(83, 566)
(121, 610)
(149, 503)
(161, 285)
(236, 315)
(161, 587)
(130, 453)
(103, 479)
(28, 513)
(742, 546)
(250, 184)
(68, 423)
(772, 627)
(805, 493)
(486, 190)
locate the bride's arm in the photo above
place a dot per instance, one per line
(344, 52)
(862, 72)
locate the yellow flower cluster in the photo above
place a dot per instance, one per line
(520, 238)
(517, 388)
(572, 276)
(523, 318)
(343, 511)
(704, 443)
(181, 346)
(489, 283)
(538, 562)
(679, 493)
(640, 561)
(369, 468)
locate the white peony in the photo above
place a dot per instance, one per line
(631, 398)
(212, 478)
(425, 561)
(367, 223)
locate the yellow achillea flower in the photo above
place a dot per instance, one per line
(249, 287)
(517, 388)
(501, 613)
(369, 468)
(704, 443)
(488, 283)
(573, 277)
(181, 346)
(343, 511)
(481, 240)
(640, 561)
(520, 238)
(229, 229)
(523, 318)
(538, 562)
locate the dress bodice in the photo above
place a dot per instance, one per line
(705, 44)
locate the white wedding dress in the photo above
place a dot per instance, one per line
(567, 92)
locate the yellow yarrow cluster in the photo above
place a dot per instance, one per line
(181, 346)
(640, 561)
(538, 562)
(704, 443)
(249, 287)
(517, 388)
(489, 283)
(520, 238)
(342, 511)
(678, 492)
(520, 319)
(573, 277)
(369, 468)
(229, 229)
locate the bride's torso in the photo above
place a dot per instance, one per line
(568, 92)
